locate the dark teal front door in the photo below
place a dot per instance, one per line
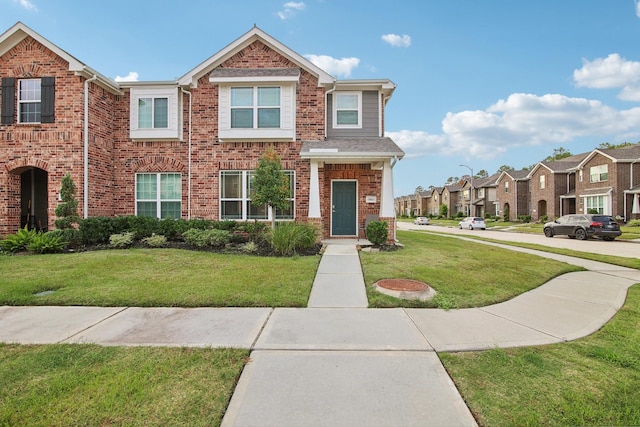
(343, 217)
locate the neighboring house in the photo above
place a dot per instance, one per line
(484, 196)
(425, 202)
(553, 187)
(452, 199)
(607, 181)
(512, 193)
(187, 148)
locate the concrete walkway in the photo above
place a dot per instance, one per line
(336, 362)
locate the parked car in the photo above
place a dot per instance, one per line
(584, 226)
(473, 223)
(421, 220)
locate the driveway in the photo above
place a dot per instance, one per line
(616, 248)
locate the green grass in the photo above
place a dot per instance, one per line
(591, 381)
(465, 274)
(157, 277)
(63, 385)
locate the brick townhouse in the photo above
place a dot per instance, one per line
(187, 148)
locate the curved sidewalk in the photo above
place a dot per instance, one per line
(338, 362)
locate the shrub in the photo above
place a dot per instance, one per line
(524, 218)
(143, 226)
(377, 232)
(98, 229)
(204, 238)
(289, 237)
(249, 247)
(67, 210)
(506, 214)
(257, 231)
(69, 235)
(121, 240)
(171, 228)
(634, 223)
(544, 218)
(46, 243)
(460, 215)
(19, 241)
(155, 241)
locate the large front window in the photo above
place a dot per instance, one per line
(599, 173)
(159, 195)
(255, 107)
(236, 191)
(29, 97)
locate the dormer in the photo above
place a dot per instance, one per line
(356, 108)
(154, 111)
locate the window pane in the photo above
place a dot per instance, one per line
(146, 187)
(169, 210)
(286, 213)
(145, 113)
(347, 102)
(269, 118)
(170, 186)
(30, 112)
(241, 118)
(242, 97)
(29, 90)
(161, 113)
(347, 117)
(268, 96)
(257, 211)
(231, 209)
(147, 209)
(231, 185)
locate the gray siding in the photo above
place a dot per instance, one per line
(370, 118)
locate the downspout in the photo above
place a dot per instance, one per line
(85, 206)
(186, 92)
(326, 99)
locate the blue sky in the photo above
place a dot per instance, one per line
(483, 83)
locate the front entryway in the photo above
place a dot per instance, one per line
(344, 216)
(34, 199)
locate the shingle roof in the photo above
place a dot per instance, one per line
(351, 147)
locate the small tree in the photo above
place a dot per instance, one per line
(270, 184)
(67, 211)
(444, 210)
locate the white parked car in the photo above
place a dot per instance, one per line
(473, 223)
(421, 220)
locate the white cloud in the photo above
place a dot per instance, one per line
(610, 72)
(396, 40)
(521, 120)
(131, 77)
(290, 8)
(27, 5)
(638, 9)
(336, 67)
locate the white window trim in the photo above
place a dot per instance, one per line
(598, 171)
(22, 102)
(335, 110)
(158, 200)
(542, 182)
(174, 119)
(246, 201)
(287, 129)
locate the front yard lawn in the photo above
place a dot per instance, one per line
(64, 385)
(157, 278)
(464, 274)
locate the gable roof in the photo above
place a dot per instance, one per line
(16, 34)
(254, 34)
(521, 175)
(490, 181)
(616, 155)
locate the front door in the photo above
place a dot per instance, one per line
(344, 214)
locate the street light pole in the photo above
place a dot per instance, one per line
(471, 190)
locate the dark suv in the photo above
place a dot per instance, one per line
(583, 226)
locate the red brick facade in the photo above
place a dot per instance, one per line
(114, 157)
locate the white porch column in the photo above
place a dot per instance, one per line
(386, 196)
(314, 191)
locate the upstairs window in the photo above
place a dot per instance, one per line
(255, 107)
(506, 187)
(599, 173)
(153, 113)
(347, 110)
(542, 182)
(35, 99)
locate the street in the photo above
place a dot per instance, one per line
(616, 248)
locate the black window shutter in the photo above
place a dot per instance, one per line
(8, 100)
(48, 88)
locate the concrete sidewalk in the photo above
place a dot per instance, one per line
(338, 362)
